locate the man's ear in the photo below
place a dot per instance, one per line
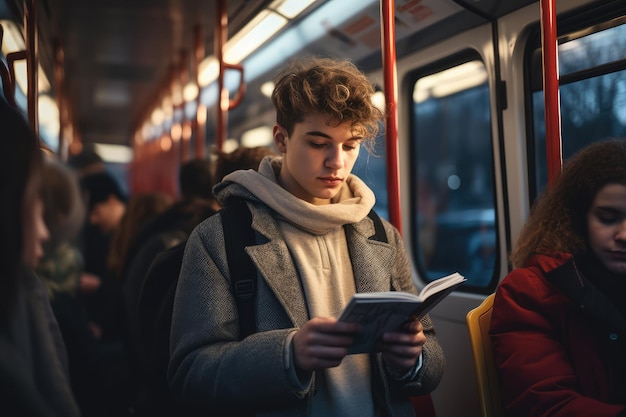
(280, 136)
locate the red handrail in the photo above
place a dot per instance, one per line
(551, 88)
(8, 82)
(198, 39)
(241, 89)
(387, 16)
(11, 58)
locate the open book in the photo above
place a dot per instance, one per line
(380, 312)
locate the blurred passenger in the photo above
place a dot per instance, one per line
(93, 241)
(60, 270)
(313, 253)
(558, 324)
(106, 205)
(64, 214)
(106, 201)
(170, 227)
(34, 379)
(141, 210)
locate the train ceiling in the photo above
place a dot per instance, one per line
(118, 53)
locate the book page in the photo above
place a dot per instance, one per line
(440, 284)
(387, 296)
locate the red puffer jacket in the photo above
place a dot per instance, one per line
(555, 340)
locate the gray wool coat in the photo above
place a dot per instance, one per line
(210, 366)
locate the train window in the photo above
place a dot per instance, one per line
(371, 168)
(454, 199)
(592, 91)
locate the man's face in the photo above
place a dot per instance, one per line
(317, 157)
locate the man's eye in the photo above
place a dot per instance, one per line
(317, 145)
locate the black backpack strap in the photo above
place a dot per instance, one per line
(379, 228)
(238, 233)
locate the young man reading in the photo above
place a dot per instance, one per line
(312, 254)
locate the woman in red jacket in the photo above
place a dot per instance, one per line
(559, 319)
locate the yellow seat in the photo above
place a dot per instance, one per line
(478, 321)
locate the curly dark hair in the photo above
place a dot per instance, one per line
(327, 86)
(558, 219)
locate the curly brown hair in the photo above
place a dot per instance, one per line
(558, 219)
(327, 86)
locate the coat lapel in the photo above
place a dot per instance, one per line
(274, 263)
(371, 259)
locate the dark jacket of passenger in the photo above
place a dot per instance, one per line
(34, 377)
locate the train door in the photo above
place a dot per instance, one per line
(448, 170)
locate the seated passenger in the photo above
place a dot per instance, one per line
(312, 254)
(558, 325)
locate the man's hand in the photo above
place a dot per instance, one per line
(322, 343)
(402, 349)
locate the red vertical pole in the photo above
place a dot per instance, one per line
(422, 404)
(181, 79)
(551, 88)
(221, 33)
(391, 93)
(198, 55)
